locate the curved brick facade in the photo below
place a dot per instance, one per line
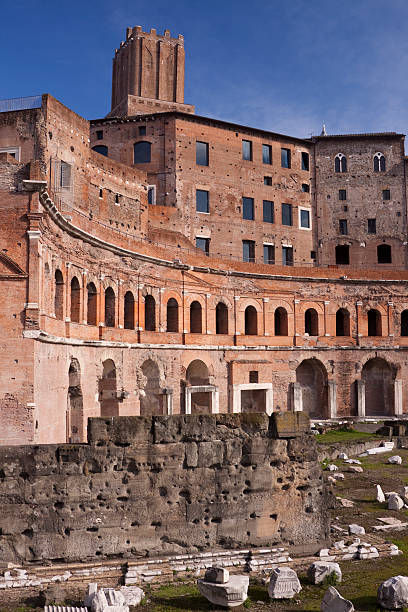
(108, 308)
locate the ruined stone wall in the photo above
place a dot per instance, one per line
(152, 486)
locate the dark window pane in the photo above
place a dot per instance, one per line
(287, 256)
(99, 134)
(202, 201)
(343, 226)
(268, 180)
(203, 244)
(142, 152)
(269, 254)
(305, 219)
(248, 208)
(102, 149)
(268, 212)
(247, 150)
(305, 188)
(305, 161)
(266, 154)
(286, 214)
(342, 194)
(386, 194)
(384, 253)
(342, 255)
(285, 158)
(248, 250)
(201, 153)
(372, 226)
(142, 130)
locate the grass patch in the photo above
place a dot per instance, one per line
(344, 435)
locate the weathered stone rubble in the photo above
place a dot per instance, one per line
(164, 485)
(222, 589)
(393, 593)
(283, 584)
(334, 602)
(320, 570)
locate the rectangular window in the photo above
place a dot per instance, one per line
(201, 153)
(313, 255)
(285, 158)
(305, 188)
(342, 194)
(304, 218)
(248, 250)
(203, 244)
(268, 254)
(287, 214)
(268, 212)
(248, 209)
(305, 161)
(65, 176)
(287, 256)
(142, 130)
(99, 134)
(253, 376)
(343, 227)
(202, 201)
(266, 154)
(372, 226)
(268, 180)
(386, 194)
(247, 150)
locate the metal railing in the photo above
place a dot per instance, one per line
(16, 104)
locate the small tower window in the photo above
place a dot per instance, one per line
(379, 162)
(340, 163)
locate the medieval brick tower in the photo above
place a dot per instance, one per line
(148, 74)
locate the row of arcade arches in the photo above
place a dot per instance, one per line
(311, 318)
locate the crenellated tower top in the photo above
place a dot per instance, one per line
(148, 74)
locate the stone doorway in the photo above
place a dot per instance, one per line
(108, 394)
(311, 375)
(379, 380)
(151, 398)
(75, 407)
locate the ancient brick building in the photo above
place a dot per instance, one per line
(157, 261)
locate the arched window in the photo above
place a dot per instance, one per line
(340, 163)
(109, 307)
(142, 152)
(92, 303)
(59, 295)
(172, 315)
(221, 318)
(379, 162)
(75, 300)
(311, 322)
(281, 322)
(342, 322)
(404, 323)
(102, 149)
(374, 323)
(251, 321)
(384, 254)
(129, 311)
(196, 318)
(150, 313)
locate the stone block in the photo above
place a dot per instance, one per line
(289, 424)
(216, 574)
(393, 593)
(229, 595)
(334, 602)
(320, 570)
(283, 584)
(120, 431)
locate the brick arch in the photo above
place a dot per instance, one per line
(109, 282)
(379, 377)
(215, 299)
(188, 359)
(312, 376)
(318, 307)
(274, 304)
(382, 309)
(194, 297)
(244, 302)
(171, 293)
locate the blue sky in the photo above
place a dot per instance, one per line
(281, 65)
